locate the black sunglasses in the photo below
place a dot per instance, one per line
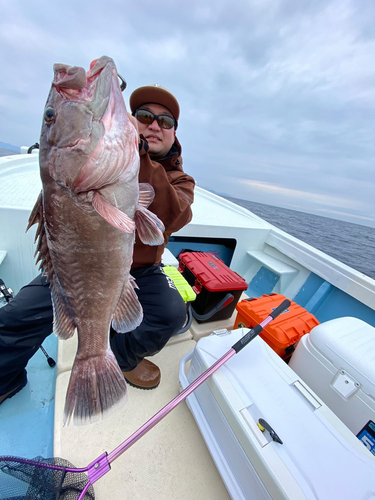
(146, 117)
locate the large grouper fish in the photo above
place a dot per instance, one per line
(87, 213)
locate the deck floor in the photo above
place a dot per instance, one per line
(170, 462)
(26, 419)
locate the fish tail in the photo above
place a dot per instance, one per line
(96, 389)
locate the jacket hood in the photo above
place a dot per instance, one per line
(172, 160)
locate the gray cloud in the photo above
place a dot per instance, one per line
(277, 96)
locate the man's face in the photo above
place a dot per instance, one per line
(160, 140)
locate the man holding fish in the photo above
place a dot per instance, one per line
(111, 181)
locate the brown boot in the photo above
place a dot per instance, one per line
(146, 375)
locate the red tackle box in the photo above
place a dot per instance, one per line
(284, 332)
(218, 288)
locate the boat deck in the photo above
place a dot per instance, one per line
(27, 418)
(170, 461)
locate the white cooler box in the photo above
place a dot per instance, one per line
(337, 360)
(319, 458)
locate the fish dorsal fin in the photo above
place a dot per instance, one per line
(63, 323)
(41, 252)
(112, 215)
(128, 314)
(146, 194)
(150, 228)
(36, 216)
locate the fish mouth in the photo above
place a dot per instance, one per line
(95, 144)
(92, 88)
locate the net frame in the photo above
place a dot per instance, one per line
(43, 479)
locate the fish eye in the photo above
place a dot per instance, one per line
(49, 114)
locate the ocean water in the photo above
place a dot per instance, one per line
(352, 244)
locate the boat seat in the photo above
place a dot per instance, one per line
(283, 273)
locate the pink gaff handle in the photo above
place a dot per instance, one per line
(101, 465)
(197, 382)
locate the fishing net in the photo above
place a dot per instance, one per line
(42, 479)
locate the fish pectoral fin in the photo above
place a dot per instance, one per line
(128, 314)
(63, 323)
(42, 251)
(146, 194)
(96, 389)
(112, 215)
(150, 228)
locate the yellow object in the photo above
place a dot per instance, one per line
(180, 282)
(261, 427)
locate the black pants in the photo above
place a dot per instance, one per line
(27, 320)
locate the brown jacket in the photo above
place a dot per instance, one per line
(174, 194)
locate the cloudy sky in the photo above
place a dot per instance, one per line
(277, 96)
